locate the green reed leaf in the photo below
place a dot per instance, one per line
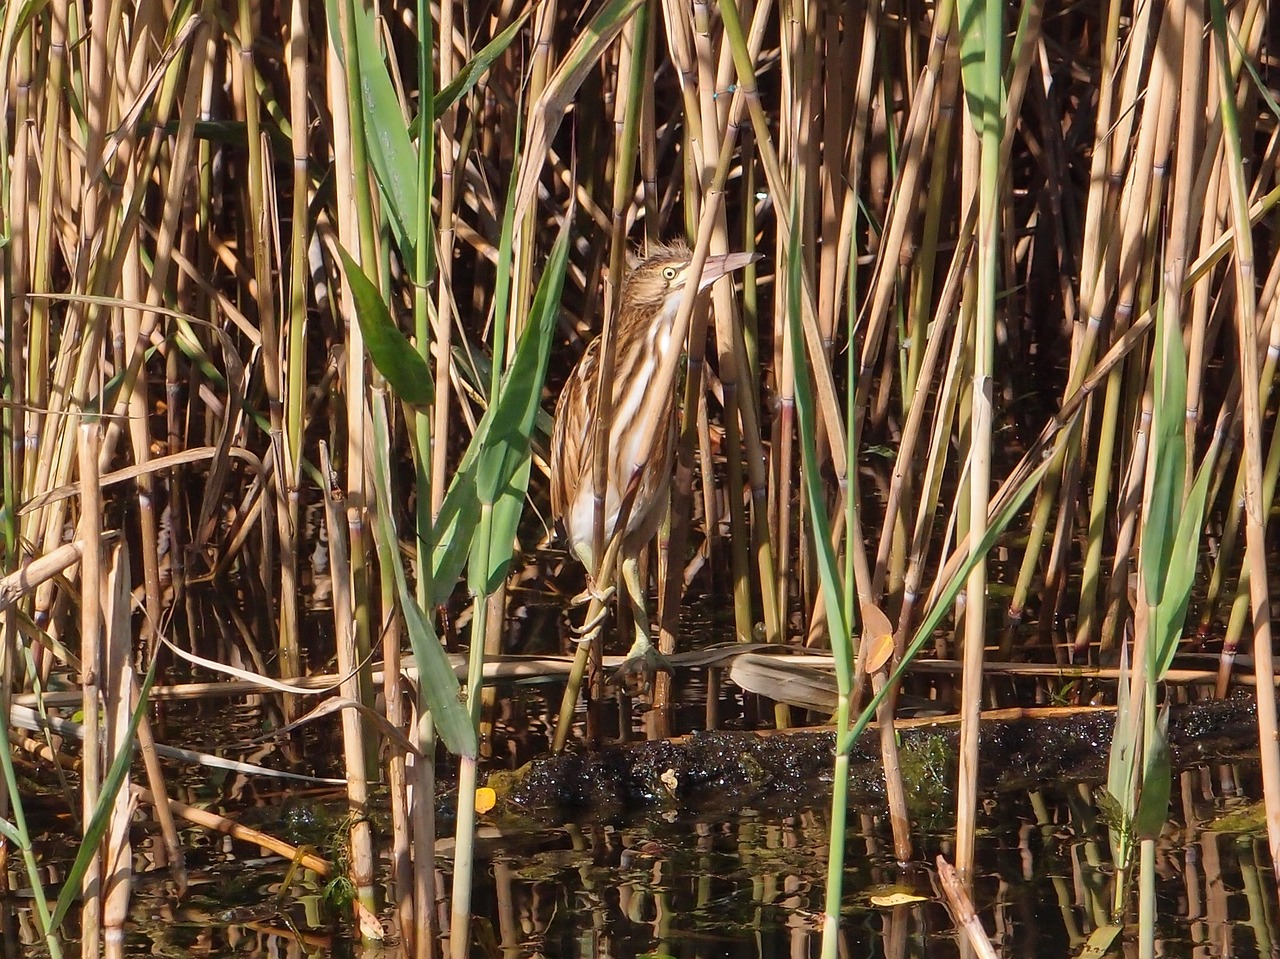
(1161, 517)
(391, 152)
(1117, 810)
(476, 67)
(439, 688)
(981, 53)
(494, 468)
(941, 607)
(100, 821)
(1157, 771)
(390, 350)
(1171, 612)
(838, 617)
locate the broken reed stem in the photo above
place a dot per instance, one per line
(229, 827)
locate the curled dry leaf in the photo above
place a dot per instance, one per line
(878, 631)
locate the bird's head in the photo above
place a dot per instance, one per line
(658, 281)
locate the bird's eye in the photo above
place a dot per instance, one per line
(669, 273)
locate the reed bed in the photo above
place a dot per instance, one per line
(1019, 294)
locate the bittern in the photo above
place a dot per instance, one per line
(641, 432)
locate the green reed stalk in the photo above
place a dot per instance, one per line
(421, 931)
(497, 484)
(294, 374)
(704, 117)
(743, 353)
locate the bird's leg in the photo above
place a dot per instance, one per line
(600, 588)
(643, 657)
(598, 592)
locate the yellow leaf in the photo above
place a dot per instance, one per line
(896, 899)
(879, 652)
(486, 799)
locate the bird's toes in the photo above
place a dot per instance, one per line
(590, 594)
(643, 663)
(591, 626)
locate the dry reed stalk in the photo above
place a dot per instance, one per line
(881, 90)
(903, 209)
(393, 692)
(117, 704)
(229, 827)
(917, 409)
(707, 120)
(960, 904)
(985, 186)
(1255, 515)
(443, 316)
(262, 213)
(764, 537)
(1100, 255)
(422, 791)
(361, 858)
(91, 678)
(945, 419)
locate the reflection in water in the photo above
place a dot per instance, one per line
(671, 883)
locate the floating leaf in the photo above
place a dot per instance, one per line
(896, 899)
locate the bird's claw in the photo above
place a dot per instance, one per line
(643, 660)
(591, 626)
(591, 594)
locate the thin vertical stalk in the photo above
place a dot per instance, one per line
(443, 315)
(418, 915)
(982, 416)
(91, 664)
(117, 708)
(360, 834)
(358, 468)
(1255, 517)
(468, 769)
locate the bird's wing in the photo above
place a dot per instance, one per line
(571, 436)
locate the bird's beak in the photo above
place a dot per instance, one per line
(718, 266)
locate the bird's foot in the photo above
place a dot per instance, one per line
(643, 661)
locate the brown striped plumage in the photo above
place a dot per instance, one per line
(642, 428)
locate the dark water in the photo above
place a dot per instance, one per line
(669, 880)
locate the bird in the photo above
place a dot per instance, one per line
(641, 435)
